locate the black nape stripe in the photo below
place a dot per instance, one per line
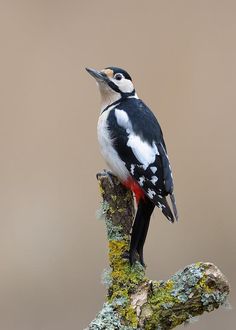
(123, 96)
(110, 105)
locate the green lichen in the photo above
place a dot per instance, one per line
(119, 301)
(106, 277)
(125, 280)
(160, 300)
(213, 300)
(121, 279)
(124, 276)
(113, 232)
(181, 298)
(105, 207)
(162, 305)
(185, 280)
(102, 211)
(108, 318)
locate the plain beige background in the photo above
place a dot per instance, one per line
(182, 57)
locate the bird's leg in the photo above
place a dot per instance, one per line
(149, 209)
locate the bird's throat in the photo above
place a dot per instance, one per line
(108, 96)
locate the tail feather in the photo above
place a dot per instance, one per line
(162, 203)
(172, 198)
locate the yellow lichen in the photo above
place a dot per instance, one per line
(114, 198)
(120, 210)
(125, 279)
(101, 190)
(203, 285)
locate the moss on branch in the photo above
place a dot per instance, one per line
(134, 301)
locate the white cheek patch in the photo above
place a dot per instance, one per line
(124, 85)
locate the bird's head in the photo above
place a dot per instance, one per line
(114, 83)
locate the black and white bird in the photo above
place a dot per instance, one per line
(133, 146)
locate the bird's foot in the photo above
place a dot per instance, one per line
(107, 173)
(141, 259)
(133, 256)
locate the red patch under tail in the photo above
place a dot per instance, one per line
(136, 189)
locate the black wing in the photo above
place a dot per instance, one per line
(138, 139)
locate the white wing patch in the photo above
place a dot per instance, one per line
(141, 180)
(143, 151)
(161, 206)
(132, 169)
(151, 193)
(122, 119)
(155, 148)
(153, 169)
(154, 179)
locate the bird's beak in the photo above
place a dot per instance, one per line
(98, 75)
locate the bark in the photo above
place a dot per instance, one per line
(133, 300)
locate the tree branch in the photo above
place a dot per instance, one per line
(134, 301)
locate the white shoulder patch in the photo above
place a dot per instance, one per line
(122, 119)
(143, 151)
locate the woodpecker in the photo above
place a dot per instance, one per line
(133, 146)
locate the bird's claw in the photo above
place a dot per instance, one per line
(141, 260)
(133, 257)
(107, 173)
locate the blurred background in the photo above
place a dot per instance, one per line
(182, 57)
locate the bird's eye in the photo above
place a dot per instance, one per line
(118, 76)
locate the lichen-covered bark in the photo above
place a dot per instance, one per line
(134, 301)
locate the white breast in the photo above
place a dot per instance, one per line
(108, 151)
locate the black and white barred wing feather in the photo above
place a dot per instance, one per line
(141, 147)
